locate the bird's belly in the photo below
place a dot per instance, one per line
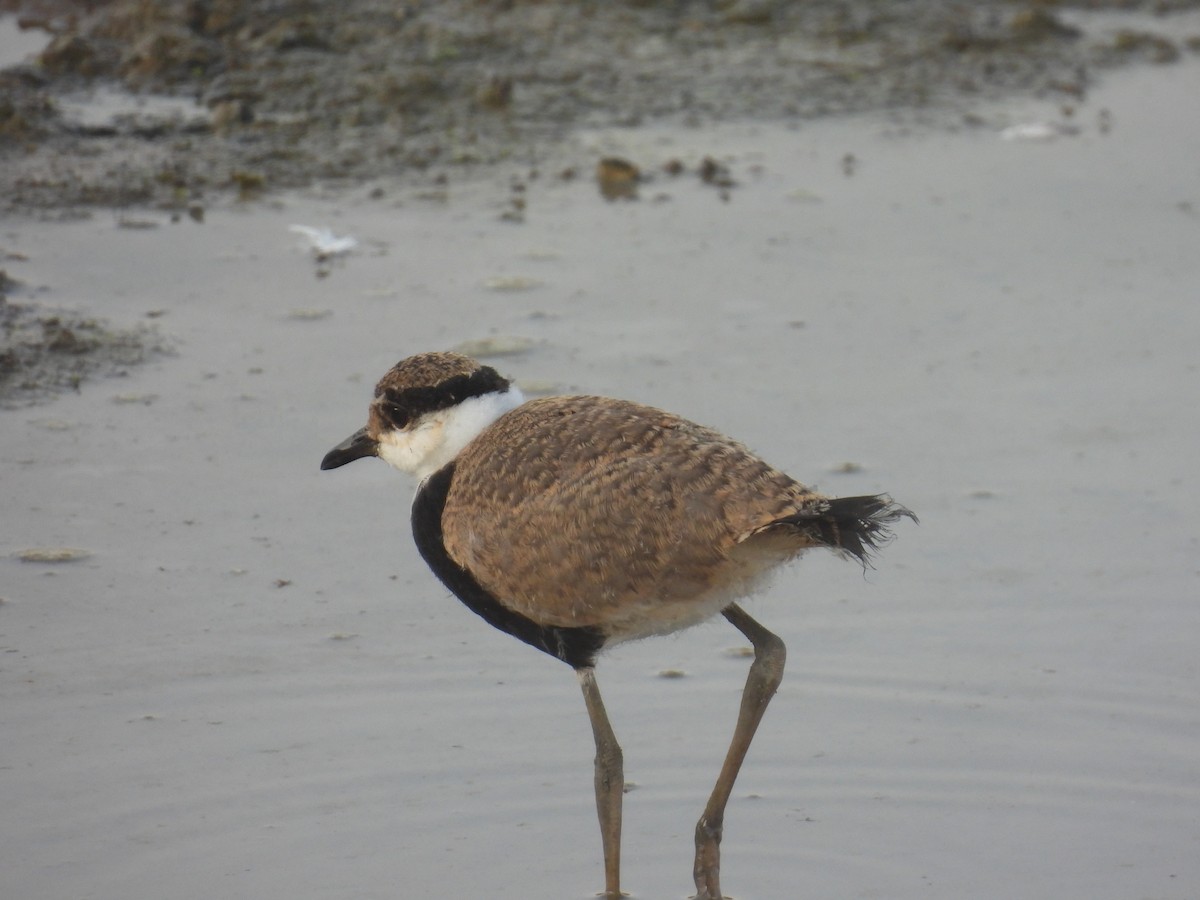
(748, 573)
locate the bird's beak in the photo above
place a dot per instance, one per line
(356, 446)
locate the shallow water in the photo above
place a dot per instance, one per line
(253, 688)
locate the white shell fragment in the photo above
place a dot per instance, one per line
(323, 242)
(1037, 131)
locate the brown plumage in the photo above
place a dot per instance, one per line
(576, 522)
(648, 514)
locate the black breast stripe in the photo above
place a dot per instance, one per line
(577, 647)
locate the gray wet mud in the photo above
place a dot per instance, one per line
(128, 106)
(253, 97)
(226, 673)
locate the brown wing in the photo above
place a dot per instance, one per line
(569, 509)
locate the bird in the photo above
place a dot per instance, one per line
(576, 523)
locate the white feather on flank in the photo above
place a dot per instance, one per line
(435, 439)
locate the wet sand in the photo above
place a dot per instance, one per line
(248, 685)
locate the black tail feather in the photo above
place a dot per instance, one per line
(854, 525)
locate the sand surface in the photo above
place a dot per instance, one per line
(248, 685)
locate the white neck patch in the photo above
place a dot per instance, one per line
(437, 438)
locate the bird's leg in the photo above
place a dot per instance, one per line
(765, 674)
(610, 782)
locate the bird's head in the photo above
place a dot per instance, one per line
(426, 409)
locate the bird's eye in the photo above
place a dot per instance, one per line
(396, 415)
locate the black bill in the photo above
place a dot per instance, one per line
(356, 446)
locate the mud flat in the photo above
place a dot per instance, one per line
(174, 105)
(226, 673)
